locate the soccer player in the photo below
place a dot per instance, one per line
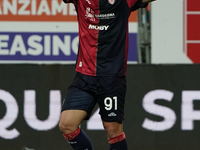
(101, 71)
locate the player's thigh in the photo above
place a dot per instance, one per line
(111, 102)
(77, 99)
(71, 119)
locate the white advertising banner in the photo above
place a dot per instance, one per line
(175, 31)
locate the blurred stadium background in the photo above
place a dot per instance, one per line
(38, 48)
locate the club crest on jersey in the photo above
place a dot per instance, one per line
(111, 1)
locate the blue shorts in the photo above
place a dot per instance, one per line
(108, 91)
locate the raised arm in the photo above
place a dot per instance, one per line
(147, 1)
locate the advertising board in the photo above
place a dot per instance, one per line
(175, 32)
(191, 30)
(45, 31)
(162, 109)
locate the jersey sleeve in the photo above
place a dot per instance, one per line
(138, 5)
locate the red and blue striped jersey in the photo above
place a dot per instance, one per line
(103, 35)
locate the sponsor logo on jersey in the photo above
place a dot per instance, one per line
(90, 14)
(88, 1)
(72, 142)
(80, 64)
(111, 1)
(112, 114)
(96, 27)
(105, 16)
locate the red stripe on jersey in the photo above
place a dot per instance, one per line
(88, 37)
(131, 2)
